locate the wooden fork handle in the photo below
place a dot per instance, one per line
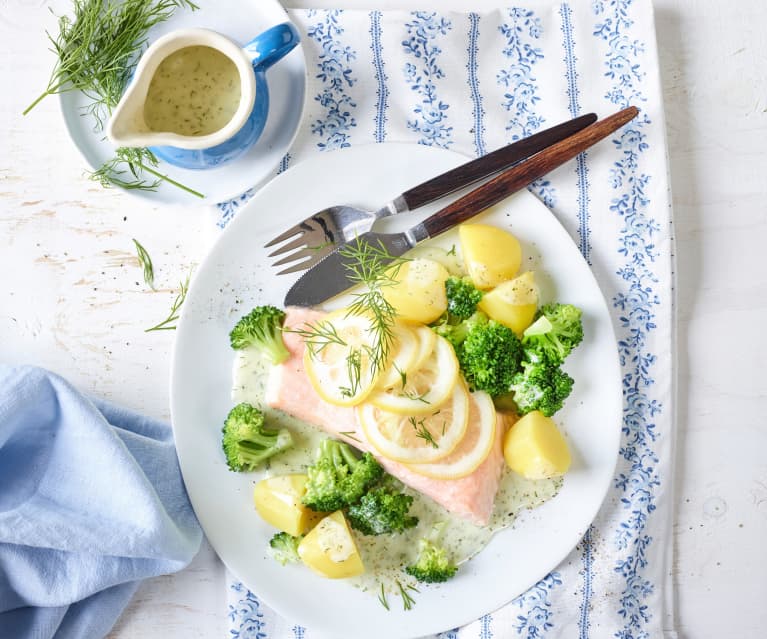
(519, 176)
(503, 158)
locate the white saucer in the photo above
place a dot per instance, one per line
(240, 20)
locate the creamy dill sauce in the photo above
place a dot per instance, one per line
(194, 91)
(385, 555)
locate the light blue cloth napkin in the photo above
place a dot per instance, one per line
(91, 502)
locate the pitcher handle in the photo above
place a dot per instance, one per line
(272, 45)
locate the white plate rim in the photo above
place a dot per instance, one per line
(397, 623)
(166, 194)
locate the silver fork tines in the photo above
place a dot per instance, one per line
(309, 241)
(300, 228)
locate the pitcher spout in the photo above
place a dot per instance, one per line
(127, 126)
(192, 89)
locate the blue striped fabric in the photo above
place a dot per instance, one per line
(472, 82)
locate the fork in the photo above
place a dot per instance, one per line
(317, 235)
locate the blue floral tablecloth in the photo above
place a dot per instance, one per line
(472, 82)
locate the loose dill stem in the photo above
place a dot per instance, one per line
(170, 180)
(167, 323)
(382, 598)
(146, 263)
(407, 600)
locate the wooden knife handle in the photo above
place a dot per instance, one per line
(505, 157)
(519, 176)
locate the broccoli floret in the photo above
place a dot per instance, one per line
(490, 356)
(284, 547)
(432, 564)
(338, 478)
(556, 331)
(247, 442)
(462, 298)
(262, 329)
(542, 386)
(381, 510)
(456, 333)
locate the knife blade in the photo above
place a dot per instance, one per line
(331, 276)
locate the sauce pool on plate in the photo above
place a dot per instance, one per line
(385, 555)
(195, 91)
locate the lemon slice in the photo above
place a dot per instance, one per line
(425, 388)
(417, 439)
(426, 340)
(473, 449)
(339, 369)
(405, 348)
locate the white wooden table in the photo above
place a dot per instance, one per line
(72, 297)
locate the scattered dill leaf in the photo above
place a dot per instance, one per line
(319, 247)
(407, 600)
(382, 598)
(146, 264)
(422, 432)
(402, 375)
(350, 434)
(452, 250)
(353, 372)
(168, 323)
(411, 394)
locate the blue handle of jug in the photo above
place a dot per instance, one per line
(272, 45)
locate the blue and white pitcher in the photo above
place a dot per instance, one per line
(128, 124)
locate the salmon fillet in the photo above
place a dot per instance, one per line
(289, 390)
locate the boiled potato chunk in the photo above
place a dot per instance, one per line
(278, 501)
(513, 303)
(491, 255)
(330, 550)
(534, 447)
(419, 292)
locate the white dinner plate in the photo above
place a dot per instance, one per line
(240, 20)
(236, 276)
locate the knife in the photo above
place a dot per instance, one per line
(329, 277)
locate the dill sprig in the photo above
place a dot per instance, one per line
(317, 336)
(353, 372)
(168, 323)
(375, 268)
(134, 161)
(96, 48)
(146, 264)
